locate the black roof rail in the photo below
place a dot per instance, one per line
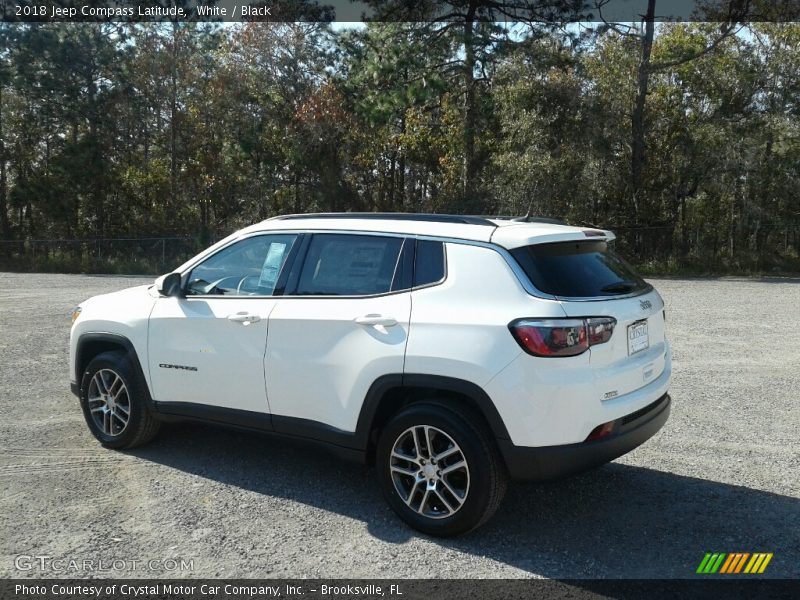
(524, 219)
(431, 217)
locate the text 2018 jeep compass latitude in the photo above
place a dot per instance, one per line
(451, 352)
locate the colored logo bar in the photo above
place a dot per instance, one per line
(734, 562)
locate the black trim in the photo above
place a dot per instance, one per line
(247, 419)
(381, 386)
(293, 276)
(376, 393)
(429, 217)
(289, 264)
(525, 219)
(335, 440)
(549, 463)
(75, 388)
(630, 419)
(405, 266)
(466, 388)
(108, 338)
(321, 432)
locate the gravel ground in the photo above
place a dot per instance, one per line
(723, 475)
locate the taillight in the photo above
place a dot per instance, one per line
(561, 337)
(600, 329)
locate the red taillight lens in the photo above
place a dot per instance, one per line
(551, 337)
(600, 329)
(561, 337)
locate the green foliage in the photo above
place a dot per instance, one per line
(146, 130)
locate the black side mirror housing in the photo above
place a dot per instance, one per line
(169, 285)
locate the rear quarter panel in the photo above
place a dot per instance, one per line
(459, 328)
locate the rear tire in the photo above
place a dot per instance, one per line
(439, 468)
(115, 402)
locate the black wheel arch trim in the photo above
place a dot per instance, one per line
(109, 338)
(381, 386)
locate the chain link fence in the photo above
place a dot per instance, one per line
(640, 244)
(158, 255)
(653, 250)
(147, 256)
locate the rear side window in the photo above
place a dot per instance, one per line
(349, 265)
(428, 263)
(578, 270)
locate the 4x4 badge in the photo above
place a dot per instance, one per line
(645, 304)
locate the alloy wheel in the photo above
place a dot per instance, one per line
(109, 402)
(429, 471)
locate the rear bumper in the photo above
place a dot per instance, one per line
(548, 463)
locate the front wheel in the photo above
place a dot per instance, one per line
(439, 469)
(114, 403)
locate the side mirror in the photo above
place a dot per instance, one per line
(169, 285)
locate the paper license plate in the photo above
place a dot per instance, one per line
(638, 338)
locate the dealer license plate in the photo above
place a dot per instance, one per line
(638, 338)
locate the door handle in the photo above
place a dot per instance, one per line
(244, 318)
(373, 319)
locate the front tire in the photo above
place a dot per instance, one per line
(439, 468)
(114, 401)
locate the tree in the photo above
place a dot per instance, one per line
(193, 129)
(470, 29)
(734, 12)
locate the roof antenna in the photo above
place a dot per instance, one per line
(527, 214)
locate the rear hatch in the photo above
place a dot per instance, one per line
(591, 280)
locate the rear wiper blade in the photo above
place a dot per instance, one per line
(619, 286)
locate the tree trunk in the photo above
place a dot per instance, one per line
(468, 174)
(74, 198)
(204, 210)
(392, 168)
(97, 159)
(402, 182)
(638, 126)
(173, 189)
(5, 230)
(296, 191)
(684, 239)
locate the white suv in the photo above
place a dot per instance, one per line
(449, 351)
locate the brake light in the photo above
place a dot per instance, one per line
(600, 329)
(561, 337)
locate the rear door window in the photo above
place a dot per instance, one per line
(350, 265)
(578, 270)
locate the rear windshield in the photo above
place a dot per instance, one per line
(578, 270)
